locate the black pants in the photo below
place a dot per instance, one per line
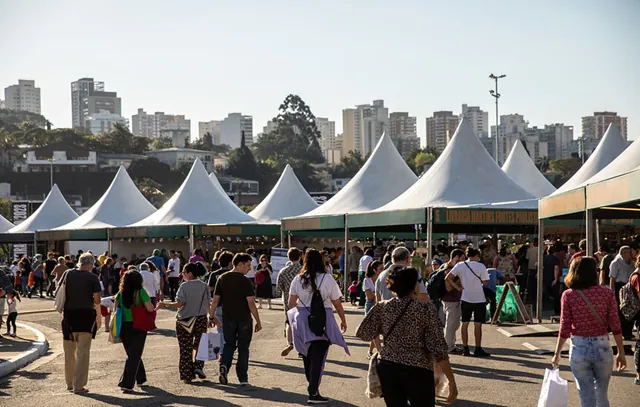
(627, 326)
(402, 384)
(237, 334)
(174, 283)
(52, 286)
(37, 282)
(11, 321)
(636, 357)
(133, 341)
(491, 296)
(314, 364)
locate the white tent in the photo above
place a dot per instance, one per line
(628, 161)
(5, 224)
(611, 146)
(287, 198)
(383, 177)
(121, 205)
(464, 174)
(53, 212)
(197, 201)
(216, 183)
(524, 172)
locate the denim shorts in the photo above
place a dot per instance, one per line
(368, 305)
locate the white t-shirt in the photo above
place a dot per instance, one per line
(14, 268)
(532, 257)
(149, 283)
(254, 266)
(369, 285)
(326, 284)
(471, 285)
(174, 267)
(364, 262)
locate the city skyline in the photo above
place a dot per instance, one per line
(545, 93)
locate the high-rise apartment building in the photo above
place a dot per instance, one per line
(23, 97)
(363, 126)
(403, 132)
(595, 126)
(271, 126)
(512, 127)
(231, 129)
(440, 128)
(212, 127)
(88, 98)
(103, 121)
(152, 125)
(478, 118)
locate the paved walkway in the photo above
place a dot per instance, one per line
(512, 377)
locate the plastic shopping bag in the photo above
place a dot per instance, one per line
(554, 390)
(441, 382)
(209, 347)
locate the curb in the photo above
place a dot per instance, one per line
(38, 348)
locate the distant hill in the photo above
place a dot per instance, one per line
(11, 119)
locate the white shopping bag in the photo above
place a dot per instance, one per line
(209, 346)
(554, 390)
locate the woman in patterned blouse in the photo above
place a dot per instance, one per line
(588, 311)
(412, 348)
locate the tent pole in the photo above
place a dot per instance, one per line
(288, 239)
(589, 231)
(539, 296)
(282, 237)
(346, 255)
(35, 242)
(597, 235)
(429, 235)
(192, 240)
(109, 243)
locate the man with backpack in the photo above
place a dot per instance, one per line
(440, 290)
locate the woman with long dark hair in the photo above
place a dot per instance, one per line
(369, 286)
(313, 346)
(263, 282)
(413, 343)
(131, 293)
(588, 311)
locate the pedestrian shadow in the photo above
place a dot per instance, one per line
(468, 403)
(354, 365)
(298, 370)
(487, 373)
(276, 395)
(5, 383)
(169, 333)
(158, 398)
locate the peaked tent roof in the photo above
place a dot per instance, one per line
(121, 204)
(627, 161)
(524, 172)
(197, 201)
(383, 177)
(217, 184)
(53, 212)
(611, 146)
(287, 198)
(5, 225)
(464, 174)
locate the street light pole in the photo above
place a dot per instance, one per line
(51, 168)
(496, 95)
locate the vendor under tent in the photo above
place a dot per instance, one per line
(524, 172)
(54, 211)
(121, 204)
(612, 193)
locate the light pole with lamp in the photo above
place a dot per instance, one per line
(496, 95)
(51, 160)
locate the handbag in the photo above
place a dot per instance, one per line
(209, 346)
(61, 293)
(142, 319)
(115, 325)
(554, 391)
(374, 385)
(486, 300)
(592, 309)
(189, 323)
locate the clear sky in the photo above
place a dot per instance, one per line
(563, 59)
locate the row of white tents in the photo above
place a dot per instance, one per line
(464, 175)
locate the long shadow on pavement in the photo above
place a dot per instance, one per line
(468, 403)
(159, 398)
(5, 383)
(276, 395)
(297, 370)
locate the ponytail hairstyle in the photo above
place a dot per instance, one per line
(313, 265)
(197, 269)
(371, 268)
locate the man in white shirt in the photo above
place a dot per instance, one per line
(173, 274)
(620, 270)
(149, 282)
(473, 277)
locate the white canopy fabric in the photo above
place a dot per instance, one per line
(5, 224)
(611, 146)
(464, 174)
(626, 162)
(198, 201)
(216, 183)
(53, 212)
(122, 204)
(287, 198)
(520, 167)
(383, 177)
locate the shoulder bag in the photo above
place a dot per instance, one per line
(486, 300)
(142, 319)
(592, 309)
(374, 386)
(189, 323)
(61, 293)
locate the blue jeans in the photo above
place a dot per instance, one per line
(220, 328)
(591, 361)
(237, 334)
(368, 305)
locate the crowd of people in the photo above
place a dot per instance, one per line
(412, 315)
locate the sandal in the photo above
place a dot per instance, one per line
(80, 391)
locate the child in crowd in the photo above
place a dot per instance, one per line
(106, 305)
(18, 282)
(353, 292)
(12, 300)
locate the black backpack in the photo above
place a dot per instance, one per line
(317, 314)
(436, 288)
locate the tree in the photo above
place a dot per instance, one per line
(150, 168)
(431, 155)
(423, 159)
(151, 190)
(242, 163)
(204, 143)
(349, 165)
(161, 143)
(565, 166)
